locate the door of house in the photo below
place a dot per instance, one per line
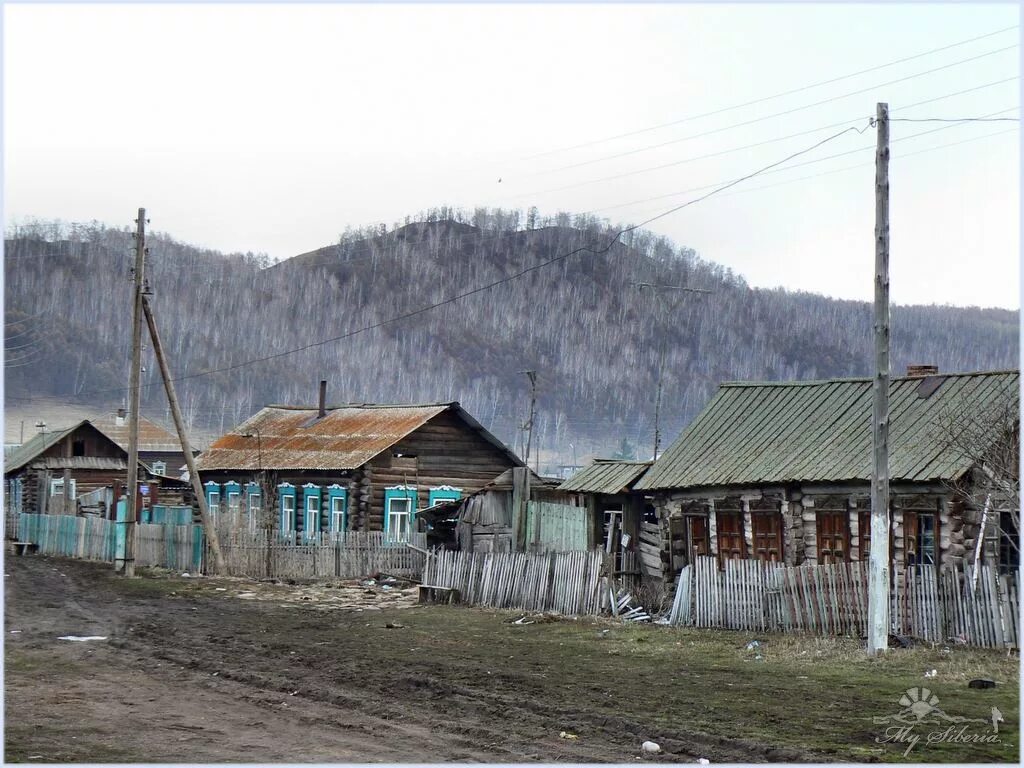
(731, 543)
(767, 535)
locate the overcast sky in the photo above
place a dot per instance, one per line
(272, 128)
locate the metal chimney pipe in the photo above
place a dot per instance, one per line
(323, 399)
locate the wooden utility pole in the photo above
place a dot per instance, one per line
(134, 393)
(179, 424)
(657, 401)
(878, 574)
(526, 475)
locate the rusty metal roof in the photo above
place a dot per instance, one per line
(152, 436)
(776, 432)
(348, 436)
(610, 476)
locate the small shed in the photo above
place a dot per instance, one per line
(621, 518)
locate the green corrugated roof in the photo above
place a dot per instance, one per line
(609, 476)
(774, 432)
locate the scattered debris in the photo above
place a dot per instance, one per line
(900, 641)
(931, 673)
(522, 620)
(222, 589)
(704, 761)
(981, 682)
(186, 575)
(81, 639)
(567, 735)
(752, 645)
(15, 631)
(651, 747)
(393, 625)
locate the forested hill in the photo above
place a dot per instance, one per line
(581, 322)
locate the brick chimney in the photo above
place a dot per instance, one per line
(922, 370)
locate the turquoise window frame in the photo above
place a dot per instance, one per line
(230, 487)
(286, 491)
(252, 489)
(210, 488)
(337, 492)
(399, 493)
(310, 491)
(443, 493)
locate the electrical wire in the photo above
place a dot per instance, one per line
(769, 98)
(953, 119)
(723, 152)
(404, 316)
(771, 116)
(868, 165)
(798, 165)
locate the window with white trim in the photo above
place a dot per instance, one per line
(160, 468)
(311, 522)
(57, 488)
(399, 518)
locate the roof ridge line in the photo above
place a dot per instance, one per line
(863, 379)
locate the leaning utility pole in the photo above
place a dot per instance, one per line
(179, 424)
(878, 574)
(134, 392)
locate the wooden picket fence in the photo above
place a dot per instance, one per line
(341, 556)
(95, 538)
(568, 583)
(930, 605)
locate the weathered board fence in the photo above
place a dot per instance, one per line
(569, 583)
(94, 538)
(563, 528)
(346, 555)
(931, 605)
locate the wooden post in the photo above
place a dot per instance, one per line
(519, 485)
(67, 492)
(526, 475)
(204, 513)
(878, 586)
(134, 392)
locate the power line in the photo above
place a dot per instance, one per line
(798, 165)
(614, 239)
(954, 119)
(773, 115)
(869, 165)
(769, 98)
(721, 153)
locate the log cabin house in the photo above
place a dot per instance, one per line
(357, 467)
(86, 461)
(781, 471)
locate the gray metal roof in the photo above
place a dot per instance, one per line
(609, 476)
(755, 433)
(38, 444)
(79, 462)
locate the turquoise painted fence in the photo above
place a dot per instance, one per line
(179, 547)
(160, 514)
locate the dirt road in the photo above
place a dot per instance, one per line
(208, 670)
